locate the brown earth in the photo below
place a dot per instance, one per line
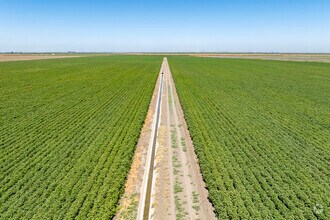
(16, 57)
(285, 57)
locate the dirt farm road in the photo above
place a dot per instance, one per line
(178, 190)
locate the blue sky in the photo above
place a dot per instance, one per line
(159, 25)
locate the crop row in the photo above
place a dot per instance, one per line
(261, 133)
(68, 132)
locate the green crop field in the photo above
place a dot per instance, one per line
(68, 130)
(261, 131)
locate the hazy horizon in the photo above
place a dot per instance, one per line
(165, 26)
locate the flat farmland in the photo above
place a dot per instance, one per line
(261, 133)
(68, 130)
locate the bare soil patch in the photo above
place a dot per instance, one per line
(285, 57)
(17, 57)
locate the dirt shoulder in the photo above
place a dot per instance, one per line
(285, 57)
(17, 57)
